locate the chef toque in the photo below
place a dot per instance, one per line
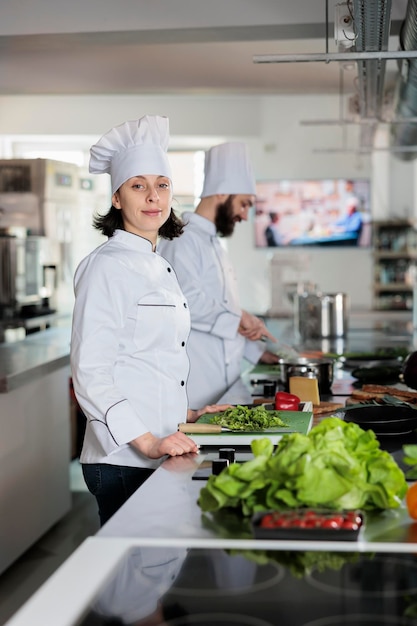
(134, 148)
(227, 169)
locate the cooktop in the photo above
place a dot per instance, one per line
(214, 587)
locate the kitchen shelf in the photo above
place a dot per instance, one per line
(392, 287)
(395, 253)
(388, 254)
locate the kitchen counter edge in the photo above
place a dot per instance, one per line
(33, 357)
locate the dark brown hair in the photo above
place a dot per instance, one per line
(113, 220)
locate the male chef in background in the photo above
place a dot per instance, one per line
(222, 333)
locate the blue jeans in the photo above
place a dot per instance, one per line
(112, 485)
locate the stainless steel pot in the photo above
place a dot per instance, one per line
(322, 369)
(321, 315)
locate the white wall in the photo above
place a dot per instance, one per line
(280, 146)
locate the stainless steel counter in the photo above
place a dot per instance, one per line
(33, 357)
(165, 508)
(35, 446)
(366, 333)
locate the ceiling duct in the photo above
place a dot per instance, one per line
(372, 25)
(405, 134)
(372, 20)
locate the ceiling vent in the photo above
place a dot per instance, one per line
(404, 134)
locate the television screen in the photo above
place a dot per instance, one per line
(328, 212)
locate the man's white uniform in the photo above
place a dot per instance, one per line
(207, 278)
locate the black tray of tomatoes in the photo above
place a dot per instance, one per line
(307, 524)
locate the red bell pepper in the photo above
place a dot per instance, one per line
(286, 401)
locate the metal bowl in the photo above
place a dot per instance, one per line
(322, 369)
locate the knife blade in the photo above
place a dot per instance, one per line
(191, 428)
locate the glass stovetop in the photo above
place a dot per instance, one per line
(213, 587)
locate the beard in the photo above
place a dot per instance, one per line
(225, 219)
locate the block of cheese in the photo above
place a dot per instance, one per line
(307, 389)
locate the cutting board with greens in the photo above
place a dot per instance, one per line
(247, 419)
(293, 421)
(297, 421)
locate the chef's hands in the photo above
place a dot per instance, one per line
(253, 328)
(194, 414)
(153, 447)
(269, 358)
(284, 351)
(179, 464)
(176, 444)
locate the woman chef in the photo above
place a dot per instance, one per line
(131, 322)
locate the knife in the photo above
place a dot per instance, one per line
(216, 428)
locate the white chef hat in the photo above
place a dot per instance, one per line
(132, 149)
(227, 169)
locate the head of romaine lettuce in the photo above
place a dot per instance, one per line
(337, 465)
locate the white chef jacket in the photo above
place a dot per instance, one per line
(209, 283)
(128, 357)
(141, 580)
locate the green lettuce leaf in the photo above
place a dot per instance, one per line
(337, 465)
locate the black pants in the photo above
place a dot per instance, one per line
(112, 485)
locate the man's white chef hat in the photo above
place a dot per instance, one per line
(227, 169)
(134, 148)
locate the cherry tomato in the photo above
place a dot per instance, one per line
(411, 500)
(267, 521)
(353, 516)
(309, 519)
(349, 525)
(330, 523)
(308, 523)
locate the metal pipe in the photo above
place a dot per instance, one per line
(334, 56)
(359, 122)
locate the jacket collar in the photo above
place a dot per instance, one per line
(130, 240)
(202, 223)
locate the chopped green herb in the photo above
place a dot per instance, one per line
(248, 419)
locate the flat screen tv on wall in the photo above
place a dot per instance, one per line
(325, 212)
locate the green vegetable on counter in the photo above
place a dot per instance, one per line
(338, 465)
(392, 352)
(301, 563)
(248, 419)
(410, 458)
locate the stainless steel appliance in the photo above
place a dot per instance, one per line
(27, 279)
(38, 206)
(321, 315)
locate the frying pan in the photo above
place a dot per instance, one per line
(382, 419)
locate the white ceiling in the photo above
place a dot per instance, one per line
(169, 47)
